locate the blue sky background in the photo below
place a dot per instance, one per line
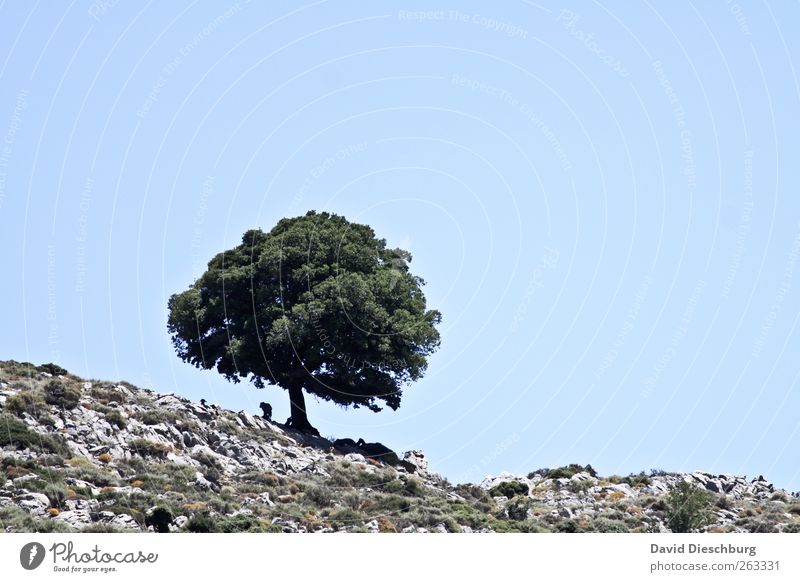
(602, 197)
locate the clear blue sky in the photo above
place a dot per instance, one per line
(602, 197)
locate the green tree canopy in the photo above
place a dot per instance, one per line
(316, 304)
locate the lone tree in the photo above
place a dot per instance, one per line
(316, 304)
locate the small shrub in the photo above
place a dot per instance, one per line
(385, 503)
(779, 496)
(56, 492)
(15, 519)
(605, 525)
(52, 369)
(509, 489)
(115, 418)
(579, 487)
(244, 522)
(59, 393)
(26, 402)
(105, 393)
(320, 496)
(568, 471)
(14, 433)
(517, 509)
(147, 448)
(201, 523)
(724, 502)
(760, 526)
(208, 460)
(152, 416)
(568, 526)
(615, 496)
(100, 528)
(634, 479)
(18, 369)
(473, 492)
(688, 508)
(346, 518)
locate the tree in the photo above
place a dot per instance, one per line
(688, 507)
(316, 304)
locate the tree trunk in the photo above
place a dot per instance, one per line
(298, 408)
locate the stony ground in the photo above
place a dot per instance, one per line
(90, 455)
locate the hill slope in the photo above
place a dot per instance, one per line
(100, 456)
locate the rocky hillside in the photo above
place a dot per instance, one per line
(101, 456)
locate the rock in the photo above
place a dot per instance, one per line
(36, 503)
(76, 519)
(179, 522)
(202, 483)
(355, 458)
(189, 439)
(372, 526)
(565, 512)
(417, 459)
(245, 419)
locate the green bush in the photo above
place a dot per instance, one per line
(26, 402)
(101, 528)
(320, 496)
(517, 508)
(346, 518)
(605, 525)
(240, 523)
(52, 369)
(688, 507)
(115, 418)
(760, 526)
(509, 489)
(634, 479)
(384, 503)
(568, 471)
(15, 369)
(204, 523)
(153, 416)
(16, 520)
(14, 433)
(105, 392)
(568, 526)
(61, 394)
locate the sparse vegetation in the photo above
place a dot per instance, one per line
(14, 433)
(127, 483)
